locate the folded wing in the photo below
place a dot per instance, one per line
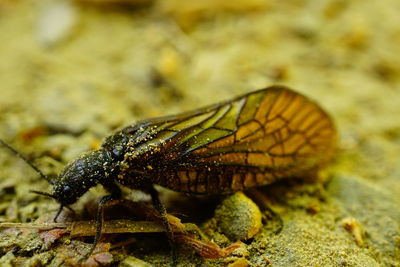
(252, 140)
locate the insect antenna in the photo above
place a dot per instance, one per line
(13, 150)
(42, 193)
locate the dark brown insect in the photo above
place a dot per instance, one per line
(251, 140)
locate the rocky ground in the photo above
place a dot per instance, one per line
(71, 72)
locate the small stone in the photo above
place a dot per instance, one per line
(56, 23)
(241, 262)
(355, 228)
(169, 63)
(131, 261)
(238, 217)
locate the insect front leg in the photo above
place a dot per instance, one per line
(60, 209)
(115, 193)
(163, 213)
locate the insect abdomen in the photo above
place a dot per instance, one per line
(214, 182)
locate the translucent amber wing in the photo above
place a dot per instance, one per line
(252, 140)
(271, 127)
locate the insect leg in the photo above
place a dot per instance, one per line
(58, 213)
(99, 222)
(115, 194)
(163, 213)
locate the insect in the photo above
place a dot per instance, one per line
(252, 140)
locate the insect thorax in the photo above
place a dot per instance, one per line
(136, 153)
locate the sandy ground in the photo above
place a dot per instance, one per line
(72, 71)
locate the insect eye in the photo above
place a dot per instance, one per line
(117, 151)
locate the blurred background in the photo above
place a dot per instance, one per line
(73, 71)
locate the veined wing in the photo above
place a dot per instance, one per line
(251, 140)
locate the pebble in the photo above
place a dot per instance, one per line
(238, 217)
(55, 23)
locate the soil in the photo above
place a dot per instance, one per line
(71, 72)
